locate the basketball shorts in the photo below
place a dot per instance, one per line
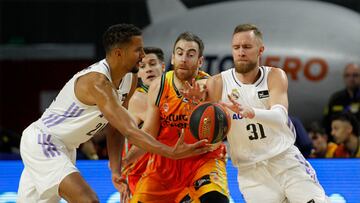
(136, 172)
(211, 176)
(287, 177)
(47, 161)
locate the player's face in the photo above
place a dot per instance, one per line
(246, 51)
(186, 60)
(352, 76)
(319, 142)
(133, 53)
(340, 130)
(150, 68)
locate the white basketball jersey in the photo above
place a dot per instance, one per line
(73, 122)
(252, 140)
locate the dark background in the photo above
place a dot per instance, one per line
(28, 22)
(81, 21)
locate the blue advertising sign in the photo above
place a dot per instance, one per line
(339, 177)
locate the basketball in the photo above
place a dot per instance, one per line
(209, 121)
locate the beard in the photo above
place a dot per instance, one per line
(245, 67)
(183, 76)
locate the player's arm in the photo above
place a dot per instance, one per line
(115, 140)
(151, 124)
(277, 115)
(214, 84)
(134, 104)
(94, 88)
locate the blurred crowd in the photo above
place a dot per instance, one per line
(336, 136)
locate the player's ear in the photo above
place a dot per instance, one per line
(172, 58)
(162, 66)
(200, 61)
(261, 50)
(117, 51)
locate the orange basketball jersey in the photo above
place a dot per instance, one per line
(174, 114)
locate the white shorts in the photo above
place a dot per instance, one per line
(287, 177)
(47, 161)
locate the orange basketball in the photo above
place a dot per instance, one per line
(209, 121)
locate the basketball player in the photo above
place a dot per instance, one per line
(92, 98)
(270, 168)
(196, 179)
(150, 68)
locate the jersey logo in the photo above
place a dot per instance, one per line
(235, 94)
(236, 116)
(165, 107)
(202, 181)
(263, 94)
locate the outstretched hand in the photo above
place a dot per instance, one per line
(193, 92)
(242, 110)
(121, 185)
(183, 150)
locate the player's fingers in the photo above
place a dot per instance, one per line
(232, 100)
(201, 150)
(187, 85)
(182, 136)
(215, 146)
(229, 106)
(193, 82)
(200, 144)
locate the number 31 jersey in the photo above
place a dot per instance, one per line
(73, 122)
(252, 140)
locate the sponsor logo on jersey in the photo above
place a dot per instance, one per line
(263, 94)
(235, 94)
(236, 116)
(176, 120)
(165, 107)
(202, 181)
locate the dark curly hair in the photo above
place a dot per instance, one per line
(117, 35)
(348, 117)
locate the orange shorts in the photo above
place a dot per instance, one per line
(136, 171)
(211, 176)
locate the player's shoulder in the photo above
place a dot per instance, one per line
(92, 79)
(275, 72)
(156, 84)
(137, 99)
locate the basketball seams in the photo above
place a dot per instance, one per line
(211, 121)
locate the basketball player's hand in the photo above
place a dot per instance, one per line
(121, 185)
(183, 150)
(215, 146)
(242, 110)
(194, 92)
(126, 167)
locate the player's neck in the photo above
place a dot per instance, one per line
(117, 71)
(249, 77)
(180, 84)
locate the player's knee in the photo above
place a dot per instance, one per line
(214, 197)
